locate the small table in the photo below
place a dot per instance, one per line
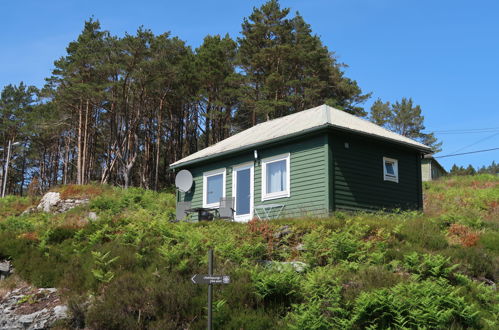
(267, 209)
(204, 213)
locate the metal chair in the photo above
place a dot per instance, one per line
(182, 207)
(226, 209)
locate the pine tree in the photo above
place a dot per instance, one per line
(381, 113)
(404, 118)
(219, 87)
(16, 105)
(287, 69)
(470, 170)
(77, 84)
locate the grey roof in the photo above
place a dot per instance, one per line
(297, 123)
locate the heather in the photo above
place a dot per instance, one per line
(130, 268)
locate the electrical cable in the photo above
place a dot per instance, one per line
(467, 132)
(474, 143)
(457, 131)
(466, 153)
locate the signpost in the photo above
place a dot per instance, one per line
(207, 279)
(210, 279)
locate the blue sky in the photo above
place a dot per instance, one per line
(443, 54)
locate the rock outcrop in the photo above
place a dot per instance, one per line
(52, 202)
(5, 269)
(49, 201)
(30, 308)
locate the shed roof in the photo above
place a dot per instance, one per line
(294, 124)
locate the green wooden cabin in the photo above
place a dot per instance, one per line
(311, 163)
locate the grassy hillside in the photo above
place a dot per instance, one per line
(435, 269)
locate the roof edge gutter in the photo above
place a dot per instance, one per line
(251, 146)
(425, 150)
(290, 136)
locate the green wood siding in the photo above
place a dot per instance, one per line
(309, 184)
(308, 167)
(326, 176)
(358, 174)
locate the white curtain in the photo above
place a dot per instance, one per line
(276, 176)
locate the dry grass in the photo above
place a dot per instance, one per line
(74, 221)
(79, 191)
(10, 283)
(463, 235)
(31, 236)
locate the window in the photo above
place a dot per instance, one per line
(275, 177)
(213, 187)
(390, 169)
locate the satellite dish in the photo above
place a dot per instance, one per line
(183, 180)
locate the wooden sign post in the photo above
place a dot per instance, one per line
(210, 279)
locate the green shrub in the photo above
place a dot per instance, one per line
(321, 283)
(430, 304)
(476, 262)
(424, 233)
(324, 246)
(39, 269)
(11, 205)
(321, 308)
(141, 300)
(316, 315)
(368, 278)
(106, 203)
(17, 224)
(184, 248)
(60, 234)
(277, 287)
(490, 240)
(241, 292)
(102, 263)
(471, 219)
(13, 247)
(142, 264)
(78, 278)
(429, 265)
(249, 320)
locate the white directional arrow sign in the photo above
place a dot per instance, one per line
(210, 279)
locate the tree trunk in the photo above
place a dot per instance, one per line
(67, 141)
(158, 146)
(79, 156)
(85, 146)
(23, 172)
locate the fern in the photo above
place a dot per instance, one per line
(429, 265)
(102, 272)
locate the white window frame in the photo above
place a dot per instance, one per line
(206, 175)
(387, 176)
(286, 193)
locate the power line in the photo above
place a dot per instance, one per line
(465, 153)
(477, 142)
(466, 130)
